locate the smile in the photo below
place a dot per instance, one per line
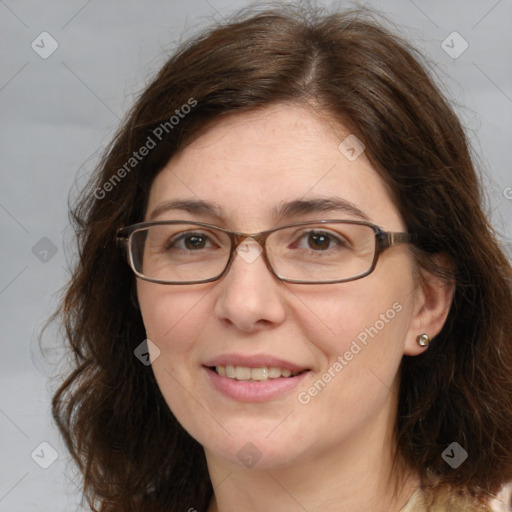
(257, 374)
(258, 384)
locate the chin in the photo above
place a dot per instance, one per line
(257, 451)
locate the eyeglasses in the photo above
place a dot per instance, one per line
(317, 252)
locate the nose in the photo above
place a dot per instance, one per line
(250, 297)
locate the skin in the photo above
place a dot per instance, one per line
(335, 452)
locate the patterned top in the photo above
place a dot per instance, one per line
(444, 501)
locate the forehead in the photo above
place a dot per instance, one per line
(251, 163)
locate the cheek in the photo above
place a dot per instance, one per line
(365, 322)
(359, 338)
(168, 311)
(173, 318)
(343, 316)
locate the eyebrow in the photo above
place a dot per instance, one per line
(194, 206)
(283, 210)
(321, 204)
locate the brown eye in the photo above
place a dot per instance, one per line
(319, 241)
(190, 241)
(195, 242)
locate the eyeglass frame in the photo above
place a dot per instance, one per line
(383, 240)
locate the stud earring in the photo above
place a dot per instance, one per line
(423, 340)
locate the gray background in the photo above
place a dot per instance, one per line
(59, 112)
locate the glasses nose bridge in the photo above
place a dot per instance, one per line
(238, 238)
(260, 238)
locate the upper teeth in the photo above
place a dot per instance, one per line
(246, 373)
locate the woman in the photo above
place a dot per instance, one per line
(288, 296)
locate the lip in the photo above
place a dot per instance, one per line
(253, 391)
(254, 361)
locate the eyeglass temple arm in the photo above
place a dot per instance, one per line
(389, 239)
(122, 242)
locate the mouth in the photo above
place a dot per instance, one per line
(258, 374)
(254, 377)
(254, 383)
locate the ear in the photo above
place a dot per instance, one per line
(433, 302)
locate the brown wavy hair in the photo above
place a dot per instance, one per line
(132, 452)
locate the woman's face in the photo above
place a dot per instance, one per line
(347, 339)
